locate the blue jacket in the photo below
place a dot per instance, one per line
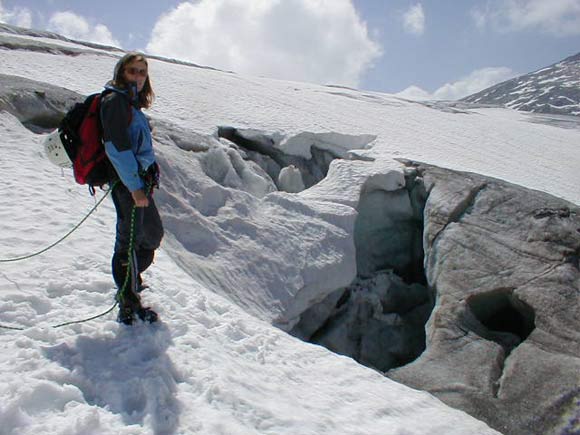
(128, 144)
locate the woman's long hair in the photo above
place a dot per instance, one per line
(146, 96)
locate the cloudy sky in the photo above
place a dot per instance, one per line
(443, 49)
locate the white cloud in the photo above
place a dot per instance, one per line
(480, 17)
(557, 17)
(414, 20)
(321, 41)
(21, 17)
(77, 27)
(476, 81)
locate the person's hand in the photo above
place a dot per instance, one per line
(140, 198)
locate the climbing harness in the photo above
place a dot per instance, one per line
(119, 296)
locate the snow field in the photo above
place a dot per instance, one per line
(211, 367)
(207, 368)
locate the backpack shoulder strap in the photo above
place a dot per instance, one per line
(129, 111)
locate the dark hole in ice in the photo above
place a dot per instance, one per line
(505, 318)
(379, 319)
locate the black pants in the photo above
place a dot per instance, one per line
(148, 232)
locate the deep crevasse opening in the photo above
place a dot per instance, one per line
(379, 319)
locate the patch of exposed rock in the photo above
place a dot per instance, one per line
(38, 106)
(503, 340)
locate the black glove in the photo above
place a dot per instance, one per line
(151, 177)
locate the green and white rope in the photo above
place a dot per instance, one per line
(120, 293)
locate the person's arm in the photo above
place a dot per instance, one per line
(115, 120)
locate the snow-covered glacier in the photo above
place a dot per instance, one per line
(250, 252)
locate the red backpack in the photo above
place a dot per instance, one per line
(81, 134)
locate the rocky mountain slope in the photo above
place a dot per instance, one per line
(554, 89)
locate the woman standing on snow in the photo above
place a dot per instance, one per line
(128, 143)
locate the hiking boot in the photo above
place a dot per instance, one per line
(146, 314)
(126, 316)
(130, 309)
(129, 305)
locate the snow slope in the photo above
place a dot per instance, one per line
(494, 142)
(211, 367)
(208, 368)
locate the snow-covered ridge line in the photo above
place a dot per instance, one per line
(15, 30)
(538, 91)
(20, 40)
